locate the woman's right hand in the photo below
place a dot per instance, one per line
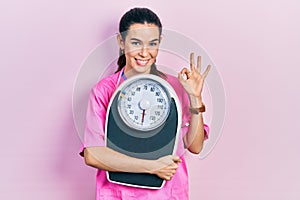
(165, 167)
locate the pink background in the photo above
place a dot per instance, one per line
(254, 44)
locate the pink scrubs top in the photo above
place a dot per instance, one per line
(177, 188)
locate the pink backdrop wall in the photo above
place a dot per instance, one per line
(254, 44)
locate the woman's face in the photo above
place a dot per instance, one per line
(141, 48)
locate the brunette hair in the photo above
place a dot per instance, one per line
(137, 16)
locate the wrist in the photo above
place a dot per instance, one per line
(198, 110)
(150, 166)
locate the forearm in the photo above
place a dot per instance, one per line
(107, 159)
(193, 81)
(195, 136)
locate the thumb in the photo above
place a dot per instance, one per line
(180, 78)
(176, 159)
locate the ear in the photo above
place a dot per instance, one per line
(120, 42)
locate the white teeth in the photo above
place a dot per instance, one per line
(142, 62)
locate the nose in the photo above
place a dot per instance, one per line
(144, 51)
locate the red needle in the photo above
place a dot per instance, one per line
(143, 115)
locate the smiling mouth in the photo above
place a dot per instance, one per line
(142, 62)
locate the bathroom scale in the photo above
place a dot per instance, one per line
(143, 120)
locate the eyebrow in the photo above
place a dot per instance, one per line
(154, 40)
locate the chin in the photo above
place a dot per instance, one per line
(142, 69)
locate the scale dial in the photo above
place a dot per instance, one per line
(144, 104)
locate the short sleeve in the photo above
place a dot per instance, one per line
(94, 132)
(206, 131)
(95, 121)
(100, 95)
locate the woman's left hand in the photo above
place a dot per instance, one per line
(193, 81)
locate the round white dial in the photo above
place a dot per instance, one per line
(144, 104)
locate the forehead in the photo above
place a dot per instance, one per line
(143, 31)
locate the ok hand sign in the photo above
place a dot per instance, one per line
(193, 81)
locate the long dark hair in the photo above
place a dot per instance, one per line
(137, 16)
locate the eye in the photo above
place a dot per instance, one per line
(153, 44)
(135, 43)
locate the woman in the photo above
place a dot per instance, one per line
(139, 39)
